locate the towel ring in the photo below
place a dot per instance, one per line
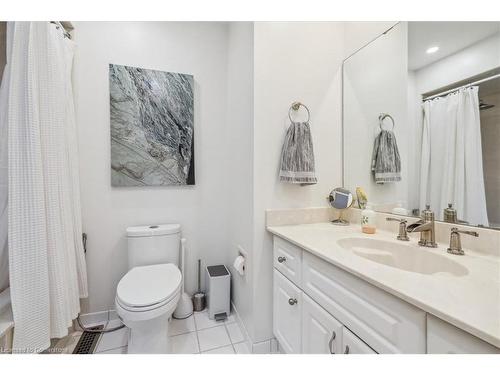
(381, 119)
(296, 106)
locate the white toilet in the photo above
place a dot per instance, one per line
(148, 294)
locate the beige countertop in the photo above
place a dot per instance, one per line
(469, 300)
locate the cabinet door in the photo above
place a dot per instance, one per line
(352, 344)
(443, 338)
(386, 323)
(321, 332)
(287, 306)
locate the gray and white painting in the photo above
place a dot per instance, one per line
(152, 127)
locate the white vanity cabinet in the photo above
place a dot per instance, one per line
(300, 324)
(443, 338)
(351, 344)
(321, 308)
(321, 332)
(386, 323)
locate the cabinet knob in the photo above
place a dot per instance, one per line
(330, 343)
(281, 259)
(346, 351)
(292, 301)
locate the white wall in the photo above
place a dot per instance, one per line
(359, 34)
(293, 61)
(239, 156)
(415, 118)
(195, 48)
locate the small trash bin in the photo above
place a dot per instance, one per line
(218, 285)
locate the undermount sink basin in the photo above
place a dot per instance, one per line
(402, 256)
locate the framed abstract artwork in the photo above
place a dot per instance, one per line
(152, 127)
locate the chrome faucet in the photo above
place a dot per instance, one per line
(455, 243)
(402, 235)
(426, 228)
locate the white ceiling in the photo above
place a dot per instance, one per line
(451, 37)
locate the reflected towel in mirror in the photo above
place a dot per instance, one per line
(386, 163)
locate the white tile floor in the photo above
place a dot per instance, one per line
(196, 334)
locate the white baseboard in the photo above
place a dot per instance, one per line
(97, 318)
(270, 346)
(243, 329)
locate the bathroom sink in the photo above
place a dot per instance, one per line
(402, 256)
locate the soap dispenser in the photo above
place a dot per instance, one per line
(450, 214)
(368, 220)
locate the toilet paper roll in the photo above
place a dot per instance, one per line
(239, 265)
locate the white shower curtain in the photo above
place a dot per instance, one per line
(452, 161)
(4, 259)
(46, 258)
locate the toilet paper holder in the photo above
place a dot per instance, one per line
(241, 253)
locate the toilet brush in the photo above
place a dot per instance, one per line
(185, 305)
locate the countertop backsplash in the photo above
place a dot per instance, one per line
(487, 243)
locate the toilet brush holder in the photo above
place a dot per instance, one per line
(199, 297)
(199, 301)
(184, 307)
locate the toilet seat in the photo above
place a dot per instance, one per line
(148, 288)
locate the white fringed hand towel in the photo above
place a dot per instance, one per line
(386, 162)
(297, 156)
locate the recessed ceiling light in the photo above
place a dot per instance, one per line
(433, 49)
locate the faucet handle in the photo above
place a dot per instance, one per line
(455, 243)
(469, 232)
(403, 233)
(396, 219)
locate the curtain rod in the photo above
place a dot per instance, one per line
(461, 87)
(63, 27)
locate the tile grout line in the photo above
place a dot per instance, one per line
(108, 350)
(217, 347)
(215, 326)
(96, 349)
(228, 335)
(196, 331)
(239, 342)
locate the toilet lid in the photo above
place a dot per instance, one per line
(149, 285)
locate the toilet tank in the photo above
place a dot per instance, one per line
(153, 244)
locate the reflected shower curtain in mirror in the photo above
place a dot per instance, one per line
(46, 258)
(452, 161)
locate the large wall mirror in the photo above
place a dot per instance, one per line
(421, 121)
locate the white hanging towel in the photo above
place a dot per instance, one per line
(46, 259)
(297, 155)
